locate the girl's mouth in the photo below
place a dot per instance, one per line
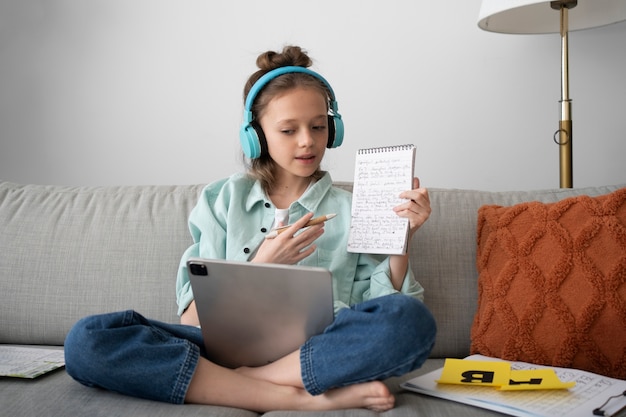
(306, 158)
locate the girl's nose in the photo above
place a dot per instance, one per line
(306, 138)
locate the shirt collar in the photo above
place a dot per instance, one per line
(309, 200)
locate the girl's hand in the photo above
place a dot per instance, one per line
(292, 245)
(417, 208)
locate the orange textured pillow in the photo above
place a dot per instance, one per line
(552, 283)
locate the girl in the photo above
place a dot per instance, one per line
(381, 327)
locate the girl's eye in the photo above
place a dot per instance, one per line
(320, 127)
(287, 131)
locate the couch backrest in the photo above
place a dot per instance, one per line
(68, 252)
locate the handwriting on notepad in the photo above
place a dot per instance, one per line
(387, 235)
(381, 174)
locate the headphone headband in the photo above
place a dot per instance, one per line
(269, 76)
(249, 137)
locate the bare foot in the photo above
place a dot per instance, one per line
(373, 395)
(213, 384)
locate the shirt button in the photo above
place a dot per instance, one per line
(267, 205)
(263, 230)
(246, 250)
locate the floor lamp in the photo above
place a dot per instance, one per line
(559, 16)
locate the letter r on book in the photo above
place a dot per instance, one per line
(487, 373)
(484, 377)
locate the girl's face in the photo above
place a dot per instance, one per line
(295, 125)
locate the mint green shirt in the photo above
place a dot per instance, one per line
(233, 216)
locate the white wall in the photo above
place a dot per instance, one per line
(149, 91)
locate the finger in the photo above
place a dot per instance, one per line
(414, 196)
(300, 223)
(304, 219)
(306, 252)
(291, 230)
(419, 196)
(308, 235)
(418, 205)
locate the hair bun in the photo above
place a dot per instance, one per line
(290, 56)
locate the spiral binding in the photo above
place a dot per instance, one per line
(382, 149)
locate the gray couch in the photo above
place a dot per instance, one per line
(68, 252)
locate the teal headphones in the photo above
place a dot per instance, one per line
(251, 135)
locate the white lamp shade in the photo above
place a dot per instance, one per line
(537, 16)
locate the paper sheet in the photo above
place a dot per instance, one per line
(380, 175)
(28, 362)
(589, 393)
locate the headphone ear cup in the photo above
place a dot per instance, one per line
(331, 132)
(250, 142)
(261, 138)
(335, 131)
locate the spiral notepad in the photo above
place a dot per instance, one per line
(380, 175)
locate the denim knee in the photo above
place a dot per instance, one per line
(414, 315)
(379, 338)
(74, 348)
(127, 353)
(410, 318)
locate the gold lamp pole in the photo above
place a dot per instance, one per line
(536, 16)
(565, 134)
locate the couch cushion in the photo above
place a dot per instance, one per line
(67, 252)
(552, 283)
(57, 394)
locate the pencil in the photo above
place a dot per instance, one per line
(317, 220)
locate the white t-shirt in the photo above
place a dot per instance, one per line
(281, 216)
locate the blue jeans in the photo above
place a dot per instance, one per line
(127, 353)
